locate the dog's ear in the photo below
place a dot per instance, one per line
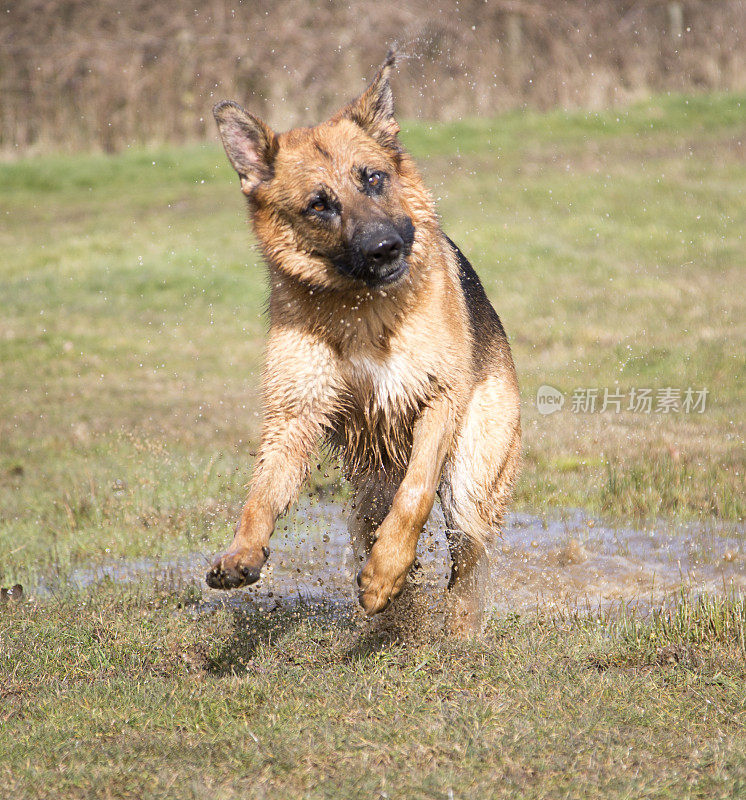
(373, 111)
(250, 145)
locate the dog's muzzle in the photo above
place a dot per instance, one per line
(377, 254)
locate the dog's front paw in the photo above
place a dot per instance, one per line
(237, 568)
(382, 579)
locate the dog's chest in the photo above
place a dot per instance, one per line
(385, 387)
(382, 400)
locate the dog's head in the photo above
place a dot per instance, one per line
(332, 204)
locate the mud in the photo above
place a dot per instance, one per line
(570, 561)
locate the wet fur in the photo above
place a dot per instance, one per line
(411, 382)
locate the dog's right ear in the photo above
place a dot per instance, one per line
(373, 111)
(250, 145)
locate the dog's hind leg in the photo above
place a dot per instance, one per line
(469, 582)
(477, 482)
(371, 502)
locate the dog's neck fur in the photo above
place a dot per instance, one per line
(358, 319)
(353, 320)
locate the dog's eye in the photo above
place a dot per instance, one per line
(375, 179)
(319, 205)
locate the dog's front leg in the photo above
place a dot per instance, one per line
(300, 398)
(383, 576)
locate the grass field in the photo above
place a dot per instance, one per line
(125, 695)
(130, 347)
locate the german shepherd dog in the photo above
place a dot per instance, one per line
(382, 343)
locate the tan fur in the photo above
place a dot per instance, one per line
(416, 397)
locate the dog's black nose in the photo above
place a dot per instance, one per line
(383, 250)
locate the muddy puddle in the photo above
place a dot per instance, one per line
(571, 561)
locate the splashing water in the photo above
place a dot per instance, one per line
(569, 562)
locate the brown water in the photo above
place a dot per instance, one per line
(570, 561)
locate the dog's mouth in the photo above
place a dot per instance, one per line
(395, 272)
(383, 276)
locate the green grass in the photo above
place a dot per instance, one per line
(127, 694)
(130, 347)
(132, 327)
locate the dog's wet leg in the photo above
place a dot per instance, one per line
(384, 575)
(468, 584)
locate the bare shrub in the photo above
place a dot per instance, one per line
(107, 74)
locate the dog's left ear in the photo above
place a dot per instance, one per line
(373, 111)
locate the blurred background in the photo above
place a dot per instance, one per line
(107, 75)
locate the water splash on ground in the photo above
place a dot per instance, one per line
(569, 561)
